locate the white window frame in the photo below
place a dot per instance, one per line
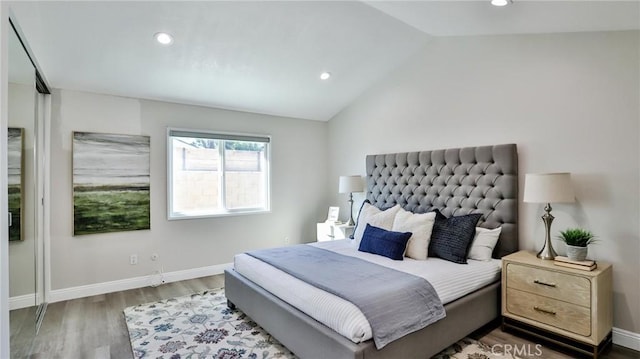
(217, 135)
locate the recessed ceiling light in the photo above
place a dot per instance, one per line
(325, 75)
(500, 2)
(163, 38)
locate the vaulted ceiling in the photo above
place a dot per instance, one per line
(267, 56)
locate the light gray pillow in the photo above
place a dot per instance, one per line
(370, 214)
(484, 242)
(420, 225)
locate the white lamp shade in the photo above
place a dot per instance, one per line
(350, 184)
(548, 188)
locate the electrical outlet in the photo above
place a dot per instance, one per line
(286, 240)
(133, 259)
(154, 257)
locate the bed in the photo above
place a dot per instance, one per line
(457, 182)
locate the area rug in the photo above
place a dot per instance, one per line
(202, 326)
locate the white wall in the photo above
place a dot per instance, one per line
(298, 153)
(570, 102)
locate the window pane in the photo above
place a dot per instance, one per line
(196, 165)
(215, 174)
(245, 174)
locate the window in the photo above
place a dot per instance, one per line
(213, 174)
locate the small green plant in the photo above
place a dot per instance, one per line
(577, 237)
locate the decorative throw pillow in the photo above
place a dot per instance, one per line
(483, 243)
(385, 243)
(451, 237)
(420, 225)
(370, 214)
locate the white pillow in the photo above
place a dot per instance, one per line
(483, 243)
(420, 226)
(370, 214)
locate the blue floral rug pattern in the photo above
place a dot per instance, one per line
(198, 326)
(202, 326)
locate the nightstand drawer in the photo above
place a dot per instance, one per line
(568, 288)
(562, 315)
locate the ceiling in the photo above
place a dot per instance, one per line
(267, 56)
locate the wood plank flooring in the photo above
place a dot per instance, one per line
(94, 327)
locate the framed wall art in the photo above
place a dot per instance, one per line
(15, 160)
(110, 183)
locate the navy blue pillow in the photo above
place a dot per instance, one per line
(451, 237)
(385, 243)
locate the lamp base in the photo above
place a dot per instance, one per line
(351, 222)
(547, 252)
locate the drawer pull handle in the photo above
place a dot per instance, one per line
(552, 285)
(545, 311)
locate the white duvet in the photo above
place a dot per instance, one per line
(450, 280)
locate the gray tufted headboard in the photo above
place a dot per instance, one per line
(457, 181)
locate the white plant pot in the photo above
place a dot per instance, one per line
(576, 253)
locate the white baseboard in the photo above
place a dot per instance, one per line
(626, 339)
(22, 301)
(59, 295)
(195, 272)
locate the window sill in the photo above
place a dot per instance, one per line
(178, 217)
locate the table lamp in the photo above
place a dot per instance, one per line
(548, 188)
(350, 184)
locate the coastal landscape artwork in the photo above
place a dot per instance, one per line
(15, 165)
(110, 183)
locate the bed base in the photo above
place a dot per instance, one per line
(310, 339)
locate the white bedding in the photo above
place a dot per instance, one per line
(450, 280)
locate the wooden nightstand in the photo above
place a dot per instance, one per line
(331, 231)
(568, 307)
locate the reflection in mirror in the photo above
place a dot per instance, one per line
(15, 144)
(23, 287)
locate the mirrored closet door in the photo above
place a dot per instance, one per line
(25, 186)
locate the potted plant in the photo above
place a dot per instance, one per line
(576, 240)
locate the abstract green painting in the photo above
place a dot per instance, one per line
(110, 183)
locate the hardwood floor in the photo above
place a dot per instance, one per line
(94, 327)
